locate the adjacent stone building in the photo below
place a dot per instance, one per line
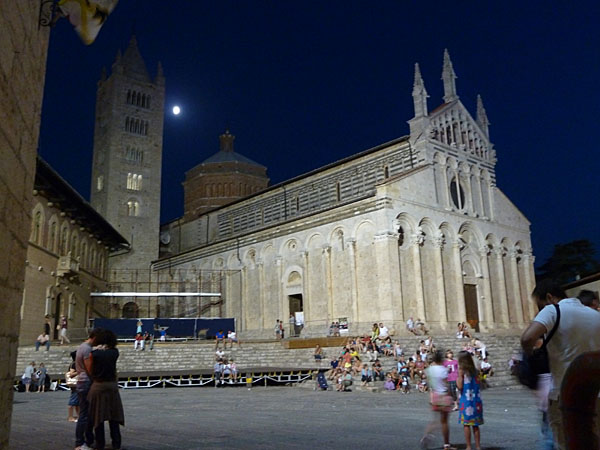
(23, 50)
(415, 227)
(67, 259)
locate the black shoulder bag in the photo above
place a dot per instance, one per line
(537, 362)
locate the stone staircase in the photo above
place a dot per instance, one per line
(199, 356)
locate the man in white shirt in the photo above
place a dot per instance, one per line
(383, 331)
(410, 325)
(578, 332)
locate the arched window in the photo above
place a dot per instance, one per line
(133, 208)
(74, 244)
(457, 193)
(148, 101)
(101, 265)
(400, 236)
(83, 254)
(143, 100)
(138, 99)
(92, 259)
(100, 183)
(52, 236)
(386, 172)
(36, 232)
(338, 191)
(64, 244)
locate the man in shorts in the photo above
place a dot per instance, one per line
(578, 332)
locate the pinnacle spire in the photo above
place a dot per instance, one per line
(449, 77)
(419, 93)
(133, 63)
(482, 119)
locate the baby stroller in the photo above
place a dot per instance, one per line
(322, 381)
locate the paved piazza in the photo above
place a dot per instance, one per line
(274, 418)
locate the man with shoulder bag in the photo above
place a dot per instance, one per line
(571, 329)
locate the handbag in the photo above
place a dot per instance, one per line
(537, 362)
(70, 381)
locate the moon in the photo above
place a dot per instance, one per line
(176, 110)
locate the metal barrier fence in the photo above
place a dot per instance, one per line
(244, 378)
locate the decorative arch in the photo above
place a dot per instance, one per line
(405, 226)
(131, 310)
(64, 239)
(290, 247)
(470, 235)
(315, 242)
(38, 225)
(428, 231)
(338, 237)
(364, 232)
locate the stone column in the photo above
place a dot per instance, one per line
(327, 253)
(261, 290)
(468, 195)
(279, 262)
(306, 290)
(503, 300)
(417, 240)
(438, 244)
(480, 195)
(487, 287)
(529, 282)
(514, 279)
(351, 245)
(457, 245)
(446, 188)
(244, 299)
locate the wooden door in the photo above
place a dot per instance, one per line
(471, 306)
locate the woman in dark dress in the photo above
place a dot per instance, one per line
(104, 398)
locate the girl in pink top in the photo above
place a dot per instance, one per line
(451, 365)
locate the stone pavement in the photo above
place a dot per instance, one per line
(274, 418)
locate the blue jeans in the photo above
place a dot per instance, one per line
(38, 343)
(83, 429)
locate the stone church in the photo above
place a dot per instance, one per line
(415, 227)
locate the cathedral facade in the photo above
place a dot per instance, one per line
(415, 227)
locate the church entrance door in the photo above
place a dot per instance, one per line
(297, 311)
(471, 306)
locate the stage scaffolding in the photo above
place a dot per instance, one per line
(165, 293)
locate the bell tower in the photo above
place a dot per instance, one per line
(126, 169)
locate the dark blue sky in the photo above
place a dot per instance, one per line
(302, 84)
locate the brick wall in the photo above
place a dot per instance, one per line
(23, 49)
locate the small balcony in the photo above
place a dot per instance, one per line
(67, 266)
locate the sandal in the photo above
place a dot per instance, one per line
(449, 447)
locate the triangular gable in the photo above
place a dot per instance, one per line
(451, 124)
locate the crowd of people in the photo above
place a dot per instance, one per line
(362, 358)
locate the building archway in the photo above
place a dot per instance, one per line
(130, 310)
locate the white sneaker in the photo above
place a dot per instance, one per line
(83, 447)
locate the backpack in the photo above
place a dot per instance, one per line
(536, 363)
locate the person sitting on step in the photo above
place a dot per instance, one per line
(138, 343)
